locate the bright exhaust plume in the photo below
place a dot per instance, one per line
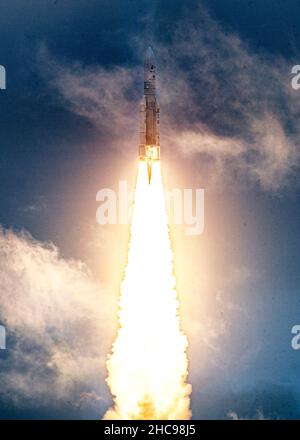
(148, 366)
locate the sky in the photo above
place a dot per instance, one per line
(69, 127)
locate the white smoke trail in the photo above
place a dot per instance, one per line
(148, 367)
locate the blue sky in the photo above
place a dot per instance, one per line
(69, 126)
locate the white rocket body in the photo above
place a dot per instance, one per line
(149, 148)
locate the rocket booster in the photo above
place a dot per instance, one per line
(149, 148)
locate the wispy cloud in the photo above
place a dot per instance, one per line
(222, 103)
(37, 206)
(103, 96)
(234, 416)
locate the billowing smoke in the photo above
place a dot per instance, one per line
(58, 327)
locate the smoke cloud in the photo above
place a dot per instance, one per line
(230, 109)
(58, 324)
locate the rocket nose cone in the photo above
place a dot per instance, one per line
(149, 54)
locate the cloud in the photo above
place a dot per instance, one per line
(37, 205)
(103, 96)
(59, 327)
(259, 416)
(264, 402)
(239, 107)
(222, 104)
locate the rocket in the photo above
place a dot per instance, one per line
(149, 148)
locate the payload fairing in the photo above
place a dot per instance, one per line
(149, 148)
